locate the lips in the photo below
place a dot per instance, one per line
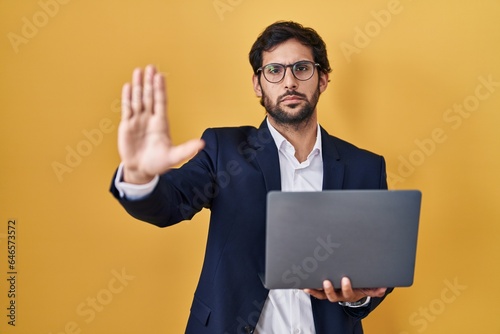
(292, 98)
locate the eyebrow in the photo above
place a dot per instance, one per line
(298, 61)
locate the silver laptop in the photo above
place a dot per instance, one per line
(369, 236)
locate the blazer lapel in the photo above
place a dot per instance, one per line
(333, 168)
(267, 157)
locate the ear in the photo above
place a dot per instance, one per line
(323, 81)
(256, 85)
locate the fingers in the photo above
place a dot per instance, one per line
(126, 107)
(159, 93)
(328, 292)
(147, 93)
(346, 287)
(318, 294)
(345, 293)
(136, 102)
(186, 150)
(331, 294)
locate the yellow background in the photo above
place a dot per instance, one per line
(390, 92)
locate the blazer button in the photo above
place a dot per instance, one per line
(249, 329)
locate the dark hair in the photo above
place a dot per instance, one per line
(282, 31)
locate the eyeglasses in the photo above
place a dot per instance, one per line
(302, 70)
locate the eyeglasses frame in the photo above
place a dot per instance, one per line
(316, 65)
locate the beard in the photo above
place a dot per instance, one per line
(303, 111)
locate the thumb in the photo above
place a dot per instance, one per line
(186, 150)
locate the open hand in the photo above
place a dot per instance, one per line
(144, 140)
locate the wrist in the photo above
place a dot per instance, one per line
(136, 177)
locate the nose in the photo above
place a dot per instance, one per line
(290, 81)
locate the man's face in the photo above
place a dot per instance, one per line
(290, 101)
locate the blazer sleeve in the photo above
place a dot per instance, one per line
(180, 193)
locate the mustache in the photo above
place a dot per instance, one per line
(292, 93)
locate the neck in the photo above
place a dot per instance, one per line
(302, 136)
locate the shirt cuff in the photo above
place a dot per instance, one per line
(131, 191)
(357, 304)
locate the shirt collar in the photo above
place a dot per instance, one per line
(280, 141)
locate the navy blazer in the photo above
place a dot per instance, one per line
(231, 176)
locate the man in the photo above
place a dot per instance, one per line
(231, 175)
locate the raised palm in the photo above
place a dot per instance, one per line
(144, 140)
